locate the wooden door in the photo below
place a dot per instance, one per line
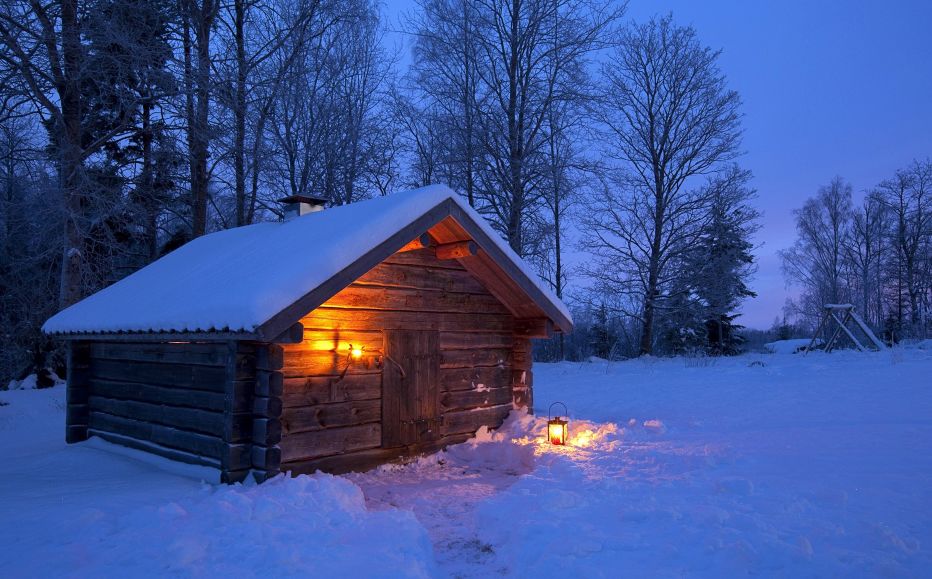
(410, 388)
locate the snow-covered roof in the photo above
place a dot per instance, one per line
(238, 279)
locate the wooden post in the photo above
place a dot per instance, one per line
(77, 413)
(522, 390)
(266, 412)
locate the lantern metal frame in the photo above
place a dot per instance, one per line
(558, 421)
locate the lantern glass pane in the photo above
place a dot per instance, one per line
(557, 432)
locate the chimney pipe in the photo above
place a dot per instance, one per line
(298, 205)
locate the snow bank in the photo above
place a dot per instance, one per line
(789, 346)
(815, 466)
(810, 466)
(84, 510)
(32, 382)
(924, 345)
(294, 527)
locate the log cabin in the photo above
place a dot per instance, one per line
(335, 340)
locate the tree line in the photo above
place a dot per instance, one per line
(876, 254)
(129, 127)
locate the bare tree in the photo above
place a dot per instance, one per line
(446, 71)
(264, 38)
(908, 198)
(325, 125)
(423, 136)
(531, 53)
(669, 117)
(816, 260)
(198, 19)
(865, 250)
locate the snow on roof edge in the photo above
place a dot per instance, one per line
(215, 288)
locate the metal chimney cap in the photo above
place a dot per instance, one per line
(304, 199)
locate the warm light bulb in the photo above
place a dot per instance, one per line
(356, 353)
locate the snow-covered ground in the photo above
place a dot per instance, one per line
(762, 464)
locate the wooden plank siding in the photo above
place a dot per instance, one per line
(333, 404)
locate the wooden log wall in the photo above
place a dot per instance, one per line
(266, 411)
(78, 393)
(191, 402)
(331, 417)
(522, 381)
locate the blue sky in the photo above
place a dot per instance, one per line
(829, 88)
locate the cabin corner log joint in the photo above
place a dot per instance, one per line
(409, 345)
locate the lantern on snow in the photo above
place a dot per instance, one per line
(557, 427)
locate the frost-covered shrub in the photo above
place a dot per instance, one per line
(698, 358)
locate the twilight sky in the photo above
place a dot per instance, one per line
(829, 88)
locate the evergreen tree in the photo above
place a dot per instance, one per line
(128, 50)
(721, 263)
(602, 337)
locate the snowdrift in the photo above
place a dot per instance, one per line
(804, 466)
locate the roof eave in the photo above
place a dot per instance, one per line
(159, 336)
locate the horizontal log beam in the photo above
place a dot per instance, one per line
(421, 259)
(474, 358)
(337, 415)
(333, 342)
(364, 460)
(192, 442)
(266, 431)
(415, 300)
(522, 389)
(306, 445)
(166, 395)
(210, 378)
(266, 458)
(211, 354)
(346, 319)
(268, 383)
(477, 398)
(270, 357)
(471, 420)
(293, 335)
(195, 420)
(421, 242)
(311, 390)
(422, 277)
(270, 407)
(147, 446)
(453, 379)
(534, 328)
(456, 250)
(474, 340)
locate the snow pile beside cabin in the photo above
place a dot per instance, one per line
(237, 279)
(768, 465)
(97, 509)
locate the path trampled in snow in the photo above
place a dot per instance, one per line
(765, 465)
(811, 466)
